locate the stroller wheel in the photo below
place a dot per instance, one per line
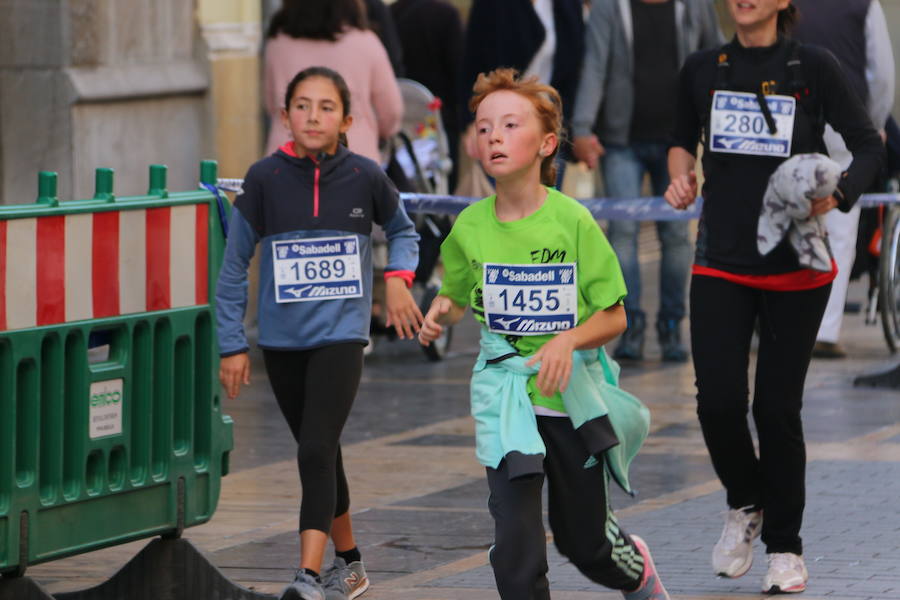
(437, 349)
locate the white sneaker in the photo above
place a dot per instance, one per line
(733, 553)
(787, 574)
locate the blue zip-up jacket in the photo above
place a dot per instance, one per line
(612, 423)
(287, 198)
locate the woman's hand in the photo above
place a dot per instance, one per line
(234, 370)
(682, 191)
(432, 327)
(556, 364)
(588, 149)
(820, 206)
(402, 311)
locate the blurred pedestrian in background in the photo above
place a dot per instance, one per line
(544, 38)
(623, 118)
(333, 34)
(856, 32)
(431, 35)
(382, 22)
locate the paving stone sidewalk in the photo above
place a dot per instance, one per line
(420, 499)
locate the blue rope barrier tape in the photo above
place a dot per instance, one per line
(220, 204)
(648, 208)
(870, 200)
(653, 208)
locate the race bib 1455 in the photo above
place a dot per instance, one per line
(530, 299)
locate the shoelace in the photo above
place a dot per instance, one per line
(332, 575)
(736, 523)
(784, 562)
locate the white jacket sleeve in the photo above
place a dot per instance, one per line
(879, 65)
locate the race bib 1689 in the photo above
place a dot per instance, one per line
(317, 269)
(530, 299)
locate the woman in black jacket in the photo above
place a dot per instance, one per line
(725, 100)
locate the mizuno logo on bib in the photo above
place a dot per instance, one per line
(738, 126)
(317, 269)
(530, 299)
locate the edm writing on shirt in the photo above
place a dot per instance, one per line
(547, 255)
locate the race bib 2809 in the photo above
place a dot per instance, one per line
(530, 299)
(737, 124)
(317, 269)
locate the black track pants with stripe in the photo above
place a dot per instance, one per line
(584, 528)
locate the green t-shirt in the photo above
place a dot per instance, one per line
(560, 231)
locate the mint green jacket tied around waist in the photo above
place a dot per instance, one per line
(611, 422)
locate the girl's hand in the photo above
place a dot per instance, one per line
(431, 327)
(402, 311)
(556, 364)
(233, 371)
(682, 191)
(820, 206)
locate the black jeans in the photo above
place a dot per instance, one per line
(584, 528)
(315, 391)
(723, 316)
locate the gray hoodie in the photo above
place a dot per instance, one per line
(605, 98)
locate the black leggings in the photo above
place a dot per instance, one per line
(315, 391)
(584, 528)
(723, 316)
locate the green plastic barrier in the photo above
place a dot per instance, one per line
(111, 427)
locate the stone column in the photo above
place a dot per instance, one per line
(100, 83)
(231, 31)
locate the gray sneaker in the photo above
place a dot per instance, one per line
(304, 587)
(345, 582)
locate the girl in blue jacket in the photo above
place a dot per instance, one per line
(310, 207)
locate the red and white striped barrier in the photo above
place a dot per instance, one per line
(58, 269)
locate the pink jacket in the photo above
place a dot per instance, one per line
(376, 104)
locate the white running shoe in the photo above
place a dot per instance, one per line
(733, 553)
(787, 574)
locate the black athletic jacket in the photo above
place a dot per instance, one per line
(734, 184)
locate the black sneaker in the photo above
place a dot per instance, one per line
(828, 350)
(631, 344)
(669, 334)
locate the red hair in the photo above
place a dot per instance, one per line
(545, 99)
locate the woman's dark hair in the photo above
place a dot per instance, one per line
(317, 19)
(787, 17)
(330, 74)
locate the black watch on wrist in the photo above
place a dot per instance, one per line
(841, 199)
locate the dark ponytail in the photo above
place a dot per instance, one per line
(787, 17)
